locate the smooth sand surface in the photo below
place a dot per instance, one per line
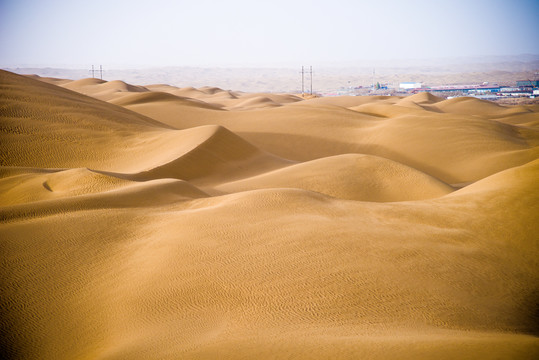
(178, 223)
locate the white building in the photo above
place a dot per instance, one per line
(410, 85)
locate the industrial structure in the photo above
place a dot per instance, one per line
(409, 85)
(524, 88)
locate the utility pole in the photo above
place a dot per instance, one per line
(302, 81)
(101, 71)
(303, 72)
(93, 71)
(373, 79)
(311, 79)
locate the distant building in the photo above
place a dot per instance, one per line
(528, 83)
(460, 89)
(509, 89)
(409, 85)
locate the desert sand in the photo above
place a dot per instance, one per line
(157, 222)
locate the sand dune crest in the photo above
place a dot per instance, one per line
(215, 151)
(152, 97)
(353, 177)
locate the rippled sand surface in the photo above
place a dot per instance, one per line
(179, 223)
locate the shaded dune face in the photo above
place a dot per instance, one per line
(163, 222)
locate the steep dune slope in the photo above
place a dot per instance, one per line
(208, 154)
(47, 126)
(81, 132)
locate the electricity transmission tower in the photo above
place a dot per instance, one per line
(100, 71)
(303, 72)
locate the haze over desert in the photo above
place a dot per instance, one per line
(189, 219)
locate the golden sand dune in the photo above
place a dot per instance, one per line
(22, 185)
(103, 90)
(211, 90)
(47, 126)
(280, 99)
(189, 91)
(388, 109)
(256, 103)
(157, 97)
(259, 101)
(315, 229)
(93, 85)
(470, 106)
(77, 84)
(50, 80)
(422, 98)
(462, 148)
(350, 101)
(207, 154)
(352, 176)
(122, 86)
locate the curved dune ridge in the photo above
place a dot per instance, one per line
(352, 176)
(159, 222)
(470, 106)
(103, 90)
(422, 98)
(122, 86)
(154, 96)
(35, 185)
(257, 102)
(210, 152)
(83, 82)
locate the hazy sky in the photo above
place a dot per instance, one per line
(119, 33)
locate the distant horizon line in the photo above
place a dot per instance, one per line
(454, 60)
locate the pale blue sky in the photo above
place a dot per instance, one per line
(134, 33)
